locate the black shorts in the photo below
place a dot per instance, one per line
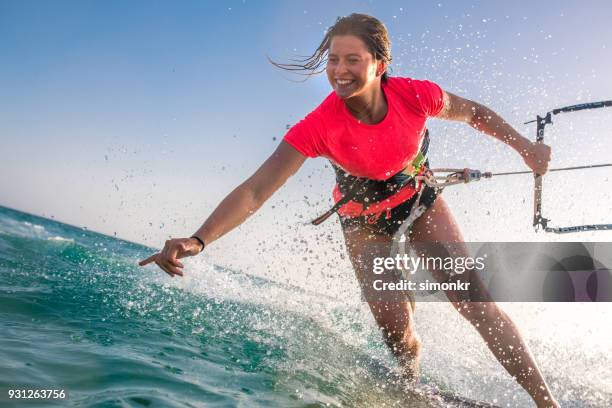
(389, 226)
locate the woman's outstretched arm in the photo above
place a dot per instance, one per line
(535, 155)
(242, 202)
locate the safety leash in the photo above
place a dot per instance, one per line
(461, 176)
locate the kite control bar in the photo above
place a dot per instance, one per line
(538, 218)
(433, 177)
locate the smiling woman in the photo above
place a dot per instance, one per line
(373, 129)
(351, 67)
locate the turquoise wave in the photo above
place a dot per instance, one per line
(77, 314)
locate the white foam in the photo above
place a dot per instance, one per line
(59, 238)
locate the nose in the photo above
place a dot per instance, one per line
(340, 68)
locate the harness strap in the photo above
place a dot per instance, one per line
(333, 210)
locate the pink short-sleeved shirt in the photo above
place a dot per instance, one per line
(374, 151)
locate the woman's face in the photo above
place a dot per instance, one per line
(351, 68)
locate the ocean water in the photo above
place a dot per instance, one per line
(78, 314)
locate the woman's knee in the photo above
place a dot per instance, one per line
(395, 321)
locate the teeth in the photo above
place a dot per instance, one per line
(343, 81)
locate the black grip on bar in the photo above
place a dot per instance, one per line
(582, 106)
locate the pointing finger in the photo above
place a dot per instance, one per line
(148, 260)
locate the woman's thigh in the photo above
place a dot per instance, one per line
(437, 224)
(392, 313)
(437, 234)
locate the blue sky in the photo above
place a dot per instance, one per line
(136, 118)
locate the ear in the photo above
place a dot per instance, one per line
(381, 68)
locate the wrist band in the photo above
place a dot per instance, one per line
(200, 241)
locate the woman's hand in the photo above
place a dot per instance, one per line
(537, 156)
(167, 258)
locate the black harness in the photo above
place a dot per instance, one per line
(367, 191)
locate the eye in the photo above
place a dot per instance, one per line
(353, 60)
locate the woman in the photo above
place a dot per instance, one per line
(372, 128)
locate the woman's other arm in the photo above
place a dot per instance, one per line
(480, 117)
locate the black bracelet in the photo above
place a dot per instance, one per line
(200, 241)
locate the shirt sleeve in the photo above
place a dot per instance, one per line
(430, 97)
(307, 135)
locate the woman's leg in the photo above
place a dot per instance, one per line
(437, 226)
(394, 317)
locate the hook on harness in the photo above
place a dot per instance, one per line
(452, 177)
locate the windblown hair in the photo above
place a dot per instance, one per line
(367, 28)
